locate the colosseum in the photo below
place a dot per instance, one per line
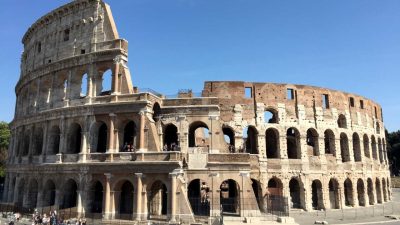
(85, 139)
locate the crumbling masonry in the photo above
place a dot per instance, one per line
(126, 153)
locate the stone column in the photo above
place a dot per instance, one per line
(139, 195)
(173, 177)
(111, 134)
(141, 130)
(5, 190)
(80, 210)
(15, 197)
(10, 194)
(355, 193)
(107, 196)
(115, 75)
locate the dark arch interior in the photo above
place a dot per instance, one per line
(348, 193)
(344, 147)
(70, 195)
(312, 142)
(126, 200)
(295, 193)
(158, 201)
(75, 137)
(329, 139)
(129, 137)
(342, 123)
(102, 139)
(97, 198)
(156, 112)
(230, 135)
(171, 138)
(54, 144)
(229, 196)
(49, 194)
(198, 197)
(272, 143)
(251, 140)
(38, 141)
(293, 143)
(317, 195)
(334, 194)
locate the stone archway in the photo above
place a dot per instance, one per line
(296, 190)
(158, 200)
(199, 197)
(360, 192)
(229, 197)
(317, 195)
(348, 193)
(334, 198)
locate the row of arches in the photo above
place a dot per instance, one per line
(45, 93)
(199, 136)
(69, 195)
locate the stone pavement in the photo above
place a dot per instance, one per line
(361, 215)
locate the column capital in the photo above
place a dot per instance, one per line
(108, 176)
(140, 175)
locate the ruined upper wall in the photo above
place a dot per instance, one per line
(307, 99)
(67, 31)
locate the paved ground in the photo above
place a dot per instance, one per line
(359, 216)
(372, 215)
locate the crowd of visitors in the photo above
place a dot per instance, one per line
(47, 219)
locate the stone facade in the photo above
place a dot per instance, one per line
(126, 153)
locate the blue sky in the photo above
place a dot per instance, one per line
(177, 44)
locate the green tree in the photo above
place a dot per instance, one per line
(393, 149)
(4, 142)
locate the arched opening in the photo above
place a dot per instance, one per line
(360, 192)
(54, 140)
(75, 139)
(38, 145)
(370, 189)
(329, 139)
(156, 112)
(199, 135)
(25, 145)
(312, 142)
(229, 138)
(385, 198)
(380, 150)
(255, 184)
(378, 191)
(344, 147)
(356, 148)
(378, 128)
(107, 82)
(96, 197)
(293, 143)
(373, 146)
(69, 195)
(251, 140)
(158, 199)
(49, 194)
(274, 196)
(272, 143)
(317, 195)
(84, 84)
(32, 194)
(270, 116)
(198, 194)
(171, 138)
(125, 208)
(296, 194)
(348, 193)
(99, 137)
(342, 123)
(129, 137)
(334, 193)
(275, 186)
(366, 146)
(20, 193)
(229, 197)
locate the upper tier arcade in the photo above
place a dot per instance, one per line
(66, 54)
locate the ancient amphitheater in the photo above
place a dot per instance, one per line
(240, 148)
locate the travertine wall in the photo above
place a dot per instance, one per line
(137, 154)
